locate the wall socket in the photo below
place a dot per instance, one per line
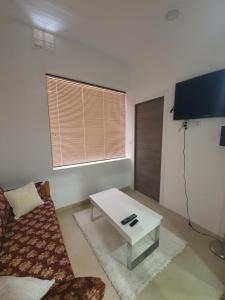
(185, 125)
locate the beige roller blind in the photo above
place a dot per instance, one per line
(87, 123)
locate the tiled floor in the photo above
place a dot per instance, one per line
(195, 274)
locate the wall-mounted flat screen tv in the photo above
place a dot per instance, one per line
(200, 97)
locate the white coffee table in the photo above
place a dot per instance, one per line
(115, 206)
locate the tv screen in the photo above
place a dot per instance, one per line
(200, 97)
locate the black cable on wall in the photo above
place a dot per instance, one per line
(185, 127)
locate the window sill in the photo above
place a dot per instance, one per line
(90, 163)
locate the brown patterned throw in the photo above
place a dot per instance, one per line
(33, 246)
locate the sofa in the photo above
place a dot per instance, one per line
(33, 246)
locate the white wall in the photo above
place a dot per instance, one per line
(25, 151)
(205, 158)
(82, 181)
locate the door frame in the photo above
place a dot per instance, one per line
(162, 148)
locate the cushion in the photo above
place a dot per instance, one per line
(23, 288)
(24, 199)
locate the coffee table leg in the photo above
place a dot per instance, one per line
(133, 263)
(157, 230)
(94, 218)
(129, 256)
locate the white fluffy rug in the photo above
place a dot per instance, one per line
(110, 249)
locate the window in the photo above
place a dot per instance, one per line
(87, 123)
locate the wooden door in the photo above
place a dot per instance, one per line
(148, 146)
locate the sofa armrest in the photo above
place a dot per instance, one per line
(43, 189)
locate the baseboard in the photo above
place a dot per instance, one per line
(197, 226)
(86, 201)
(74, 205)
(126, 189)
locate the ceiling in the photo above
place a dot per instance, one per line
(128, 30)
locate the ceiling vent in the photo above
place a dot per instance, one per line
(43, 39)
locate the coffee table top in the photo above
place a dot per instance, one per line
(116, 206)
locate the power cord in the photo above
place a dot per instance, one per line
(185, 127)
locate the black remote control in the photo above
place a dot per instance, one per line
(133, 222)
(128, 219)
